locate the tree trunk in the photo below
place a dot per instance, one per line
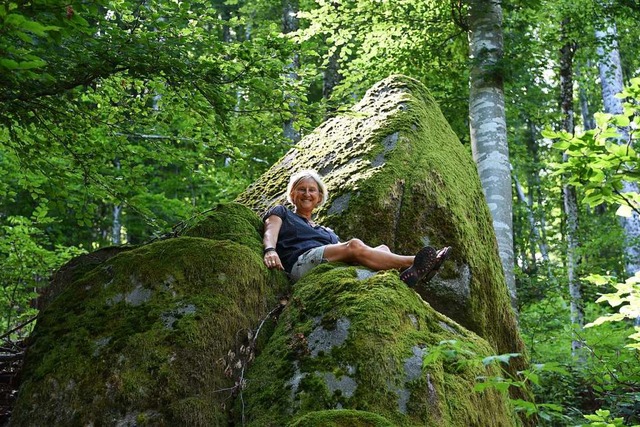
(536, 239)
(117, 226)
(116, 229)
(225, 17)
(569, 192)
(330, 79)
(534, 185)
(290, 24)
(528, 261)
(587, 118)
(535, 193)
(611, 81)
(488, 125)
(331, 75)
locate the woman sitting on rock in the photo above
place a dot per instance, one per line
(294, 243)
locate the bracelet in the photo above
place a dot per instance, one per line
(265, 250)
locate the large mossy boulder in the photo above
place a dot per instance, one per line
(398, 175)
(164, 334)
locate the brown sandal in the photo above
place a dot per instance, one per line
(425, 265)
(443, 255)
(422, 264)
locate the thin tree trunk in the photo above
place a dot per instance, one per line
(534, 185)
(535, 192)
(290, 24)
(611, 80)
(536, 238)
(488, 125)
(528, 261)
(331, 75)
(116, 229)
(330, 79)
(225, 17)
(569, 192)
(587, 118)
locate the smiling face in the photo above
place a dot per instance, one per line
(306, 195)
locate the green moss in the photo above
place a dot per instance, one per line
(398, 175)
(231, 221)
(198, 411)
(75, 269)
(143, 334)
(373, 367)
(341, 418)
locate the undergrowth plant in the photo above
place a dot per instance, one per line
(27, 259)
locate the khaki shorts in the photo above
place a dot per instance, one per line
(306, 262)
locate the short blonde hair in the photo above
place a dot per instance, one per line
(306, 174)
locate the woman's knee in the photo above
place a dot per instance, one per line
(356, 247)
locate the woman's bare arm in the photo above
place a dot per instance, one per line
(270, 239)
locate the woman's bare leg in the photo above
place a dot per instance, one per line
(356, 252)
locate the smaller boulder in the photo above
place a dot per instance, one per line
(346, 345)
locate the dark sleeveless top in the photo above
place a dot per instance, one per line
(297, 236)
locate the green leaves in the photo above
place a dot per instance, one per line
(365, 41)
(600, 161)
(20, 25)
(452, 351)
(10, 64)
(502, 358)
(185, 114)
(603, 418)
(18, 43)
(626, 297)
(27, 259)
(499, 383)
(525, 379)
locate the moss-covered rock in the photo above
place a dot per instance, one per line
(157, 334)
(75, 269)
(369, 345)
(398, 175)
(147, 336)
(341, 418)
(230, 221)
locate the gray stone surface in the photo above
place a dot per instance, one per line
(170, 317)
(139, 295)
(458, 287)
(346, 385)
(322, 340)
(340, 204)
(364, 273)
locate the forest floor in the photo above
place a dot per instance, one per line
(11, 357)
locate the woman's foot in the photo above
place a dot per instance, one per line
(443, 255)
(425, 265)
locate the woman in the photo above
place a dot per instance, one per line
(294, 243)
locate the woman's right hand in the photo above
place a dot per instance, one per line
(272, 260)
(272, 227)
